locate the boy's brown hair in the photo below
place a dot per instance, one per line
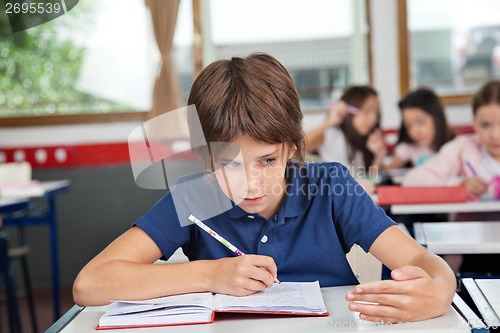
(252, 96)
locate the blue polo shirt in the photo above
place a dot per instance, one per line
(324, 213)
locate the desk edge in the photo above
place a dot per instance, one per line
(63, 321)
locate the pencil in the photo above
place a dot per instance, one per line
(350, 109)
(471, 168)
(218, 237)
(474, 173)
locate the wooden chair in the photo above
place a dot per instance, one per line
(365, 266)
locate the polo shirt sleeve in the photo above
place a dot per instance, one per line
(162, 225)
(359, 220)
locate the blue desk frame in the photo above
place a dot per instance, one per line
(49, 218)
(8, 206)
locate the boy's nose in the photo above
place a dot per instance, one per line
(253, 179)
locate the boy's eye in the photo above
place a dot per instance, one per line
(231, 164)
(268, 161)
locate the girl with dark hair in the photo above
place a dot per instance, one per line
(351, 132)
(471, 160)
(423, 131)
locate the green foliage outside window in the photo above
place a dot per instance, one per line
(39, 68)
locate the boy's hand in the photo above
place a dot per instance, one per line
(243, 275)
(412, 295)
(475, 186)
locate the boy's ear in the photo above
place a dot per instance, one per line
(291, 152)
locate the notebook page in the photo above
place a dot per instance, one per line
(159, 317)
(192, 299)
(302, 297)
(194, 307)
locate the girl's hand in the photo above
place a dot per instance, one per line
(243, 275)
(376, 144)
(475, 186)
(336, 114)
(413, 295)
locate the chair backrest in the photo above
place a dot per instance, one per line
(365, 266)
(15, 173)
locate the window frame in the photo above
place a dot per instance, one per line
(404, 59)
(66, 119)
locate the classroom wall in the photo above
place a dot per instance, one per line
(104, 200)
(101, 203)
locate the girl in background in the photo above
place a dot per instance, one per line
(472, 161)
(351, 132)
(469, 160)
(423, 131)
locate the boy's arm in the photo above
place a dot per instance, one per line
(125, 271)
(423, 285)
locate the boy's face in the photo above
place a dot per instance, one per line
(487, 126)
(255, 178)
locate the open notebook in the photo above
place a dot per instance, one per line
(291, 298)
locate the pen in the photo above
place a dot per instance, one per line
(218, 237)
(471, 168)
(474, 173)
(350, 109)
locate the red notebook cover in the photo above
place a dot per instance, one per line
(393, 195)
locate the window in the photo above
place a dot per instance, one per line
(324, 46)
(100, 58)
(453, 46)
(98, 62)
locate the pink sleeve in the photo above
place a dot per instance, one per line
(443, 169)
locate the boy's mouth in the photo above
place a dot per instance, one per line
(253, 200)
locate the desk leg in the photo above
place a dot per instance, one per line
(8, 280)
(54, 251)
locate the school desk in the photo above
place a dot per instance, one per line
(481, 237)
(9, 205)
(447, 208)
(79, 320)
(485, 293)
(51, 189)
